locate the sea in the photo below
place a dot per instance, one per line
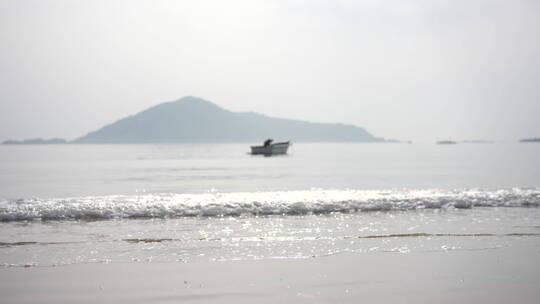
(72, 204)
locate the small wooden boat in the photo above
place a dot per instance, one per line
(268, 148)
(446, 142)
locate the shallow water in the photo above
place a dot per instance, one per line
(46, 243)
(161, 203)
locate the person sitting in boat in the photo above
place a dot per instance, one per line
(268, 142)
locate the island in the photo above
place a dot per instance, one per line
(478, 141)
(530, 140)
(195, 120)
(35, 141)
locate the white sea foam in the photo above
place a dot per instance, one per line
(260, 203)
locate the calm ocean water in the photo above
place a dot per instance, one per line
(64, 204)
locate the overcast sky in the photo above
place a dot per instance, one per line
(421, 70)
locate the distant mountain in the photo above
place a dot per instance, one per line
(35, 141)
(192, 119)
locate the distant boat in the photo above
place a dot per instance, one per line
(268, 148)
(446, 142)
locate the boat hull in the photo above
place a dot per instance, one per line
(273, 149)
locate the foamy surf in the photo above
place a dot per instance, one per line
(314, 201)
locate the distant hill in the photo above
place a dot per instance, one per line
(192, 119)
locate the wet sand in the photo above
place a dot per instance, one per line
(502, 275)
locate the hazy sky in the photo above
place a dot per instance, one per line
(421, 70)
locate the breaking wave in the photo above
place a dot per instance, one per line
(315, 201)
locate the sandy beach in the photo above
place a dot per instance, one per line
(499, 275)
